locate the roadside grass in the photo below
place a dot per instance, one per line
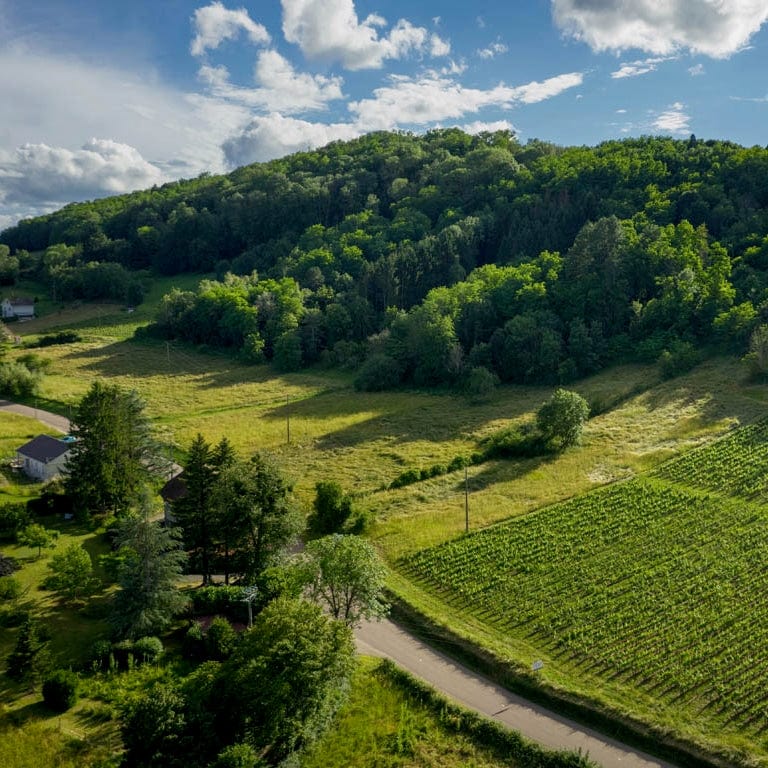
(383, 725)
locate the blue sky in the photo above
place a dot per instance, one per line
(106, 97)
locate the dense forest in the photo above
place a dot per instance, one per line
(437, 259)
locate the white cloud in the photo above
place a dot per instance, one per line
(331, 30)
(282, 88)
(270, 136)
(717, 28)
(673, 120)
(480, 127)
(494, 49)
(438, 47)
(215, 23)
(621, 111)
(432, 98)
(696, 70)
(45, 175)
(641, 67)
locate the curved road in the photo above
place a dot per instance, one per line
(53, 420)
(387, 640)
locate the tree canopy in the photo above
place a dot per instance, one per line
(432, 256)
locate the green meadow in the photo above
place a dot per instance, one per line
(320, 428)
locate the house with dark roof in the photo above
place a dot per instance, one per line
(18, 307)
(44, 457)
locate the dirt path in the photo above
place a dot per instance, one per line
(386, 639)
(53, 420)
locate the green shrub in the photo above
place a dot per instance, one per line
(194, 642)
(378, 372)
(679, 358)
(13, 518)
(220, 599)
(331, 508)
(147, 650)
(220, 639)
(457, 462)
(101, 656)
(10, 588)
(238, 756)
(60, 690)
(479, 384)
(517, 441)
(16, 380)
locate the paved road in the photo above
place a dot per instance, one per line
(53, 420)
(387, 640)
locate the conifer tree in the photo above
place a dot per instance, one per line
(149, 596)
(29, 659)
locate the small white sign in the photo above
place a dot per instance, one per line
(537, 665)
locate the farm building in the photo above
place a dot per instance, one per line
(173, 490)
(18, 307)
(44, 457)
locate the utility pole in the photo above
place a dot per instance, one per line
(466, 501)
(287, 421)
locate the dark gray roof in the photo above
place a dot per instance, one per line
(44, 448)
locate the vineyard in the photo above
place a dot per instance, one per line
(735, 465)
(659, 587)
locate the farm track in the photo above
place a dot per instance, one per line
(385, 639)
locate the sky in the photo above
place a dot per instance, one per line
(103, 97)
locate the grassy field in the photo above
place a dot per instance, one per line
(382, 725)
(365, 440)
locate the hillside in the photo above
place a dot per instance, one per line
(431, 257)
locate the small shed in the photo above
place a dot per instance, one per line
(44, 457)
(18, 307)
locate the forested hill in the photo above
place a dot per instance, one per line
(438, 255)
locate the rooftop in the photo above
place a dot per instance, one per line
(44, 448)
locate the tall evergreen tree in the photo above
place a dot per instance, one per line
(255, 516)
(149, 596)
(114, 452)
(29, 658)
(194, 511)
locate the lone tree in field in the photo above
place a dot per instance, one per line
(71, 573)
(39, 536)
(561, 419)
(114, 453)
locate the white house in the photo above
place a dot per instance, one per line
(18, 307)
(44, 457)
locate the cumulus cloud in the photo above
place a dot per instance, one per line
(53, 97)
(494, 49)
(331, 30)
(717, 28)
(215, 23)
(47, 175)
(673, 120)
(478, 126)
(275, 135)
(636, 68)
(281, 87)
(433, 98)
